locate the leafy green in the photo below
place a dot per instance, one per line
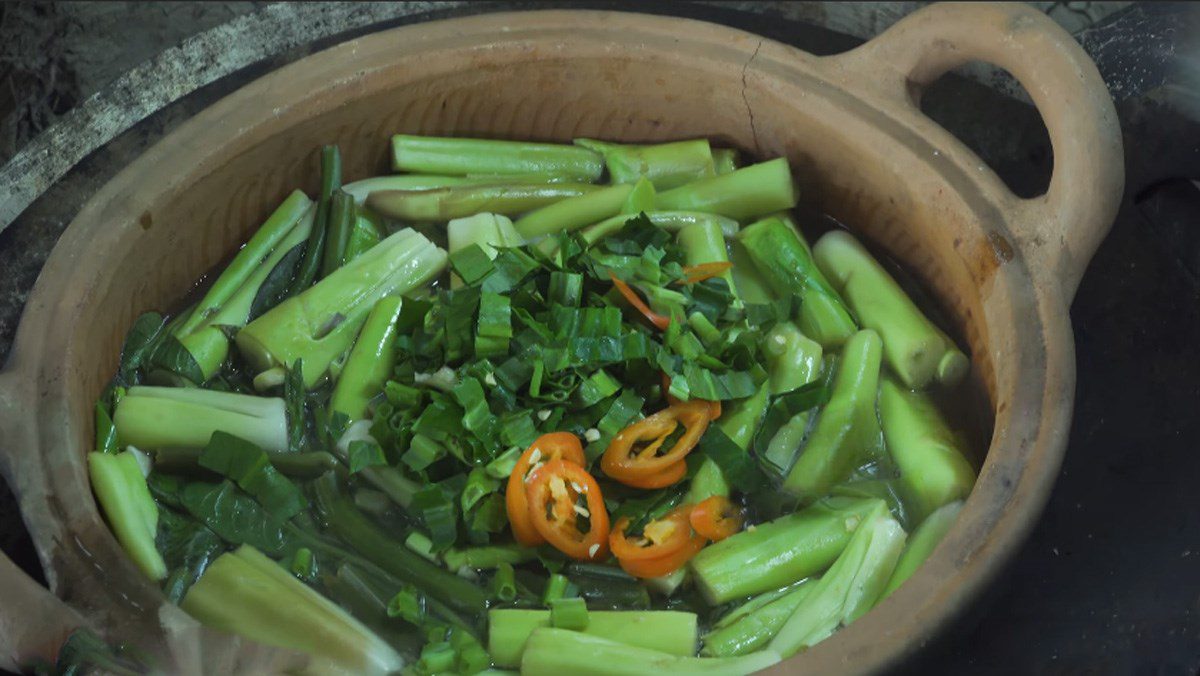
(235, 516)
(140, 343)
(275, 287)
(363, 454)
(250, 468)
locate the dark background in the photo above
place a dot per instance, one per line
(1110, 580)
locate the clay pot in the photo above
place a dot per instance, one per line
(1004, 268)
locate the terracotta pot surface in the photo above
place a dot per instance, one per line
(1003, 268)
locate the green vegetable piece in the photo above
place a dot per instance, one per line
(504, 584)
(915, 349)
(122, 493)
(314, 249)
(848, 589)
(673, 221)
(785, 262)
(573, 213)
(156, 417)
(443, 204)
(342, 218)
(668, 631)
(933, 468)
(371, 360)
(705, 243)
(755, 628)
(569, 614)
(230, 299)
(742, 194)
(665, 165)
(750, 284)
(246, 593)
(552, 651)
(725, 161)
(461, 156)
(249, 467)
(320, 324)
(924, 540)
(780, 552)
(793, 360)
(366, 233)
(557, 588)
(846, 432)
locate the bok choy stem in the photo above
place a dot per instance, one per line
(370, 362)
(463, 156)
(122, 492)
(742, 194)
(666, 165)
(158, 417)
(667, 631)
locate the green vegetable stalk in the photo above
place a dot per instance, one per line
(666, 165)
(487, 230)
(848, 589)
(793, 360)
(157, 417)
(121, 491)
(924, 540)
(370, 362)
(750, 284)
(725, 161)
(574, 213)
(314, 250)
(366, 233)
(756, 627)
(246, 593)
(673, 221)
(342, 218)
(359, 190)
(743, 194)
(320, 324)
(739, 423)
(705, 243)
(228, 302)
(780, 552)
(786, 264)
(847, 429)
(933, 470)
(914, 348)
(667, 631)
(551, 652)
(463, 156)
(440, 204)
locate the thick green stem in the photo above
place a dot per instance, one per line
(739, 422)
(705, 243)
(914, 348)
(707, 482)
(849, 588)
(668, 631)
(847, 429)
(370, 362)
(121, 490)
(750, 284)
(356, 530)
(574, 213)
(158, 417)
(246, 593)
(743, 194)
(366, 233)
(341, 225)
(755, 628)
(552, 652)
(780, 552)
(785, 262)
(442, 204)
(725, 161)
(924, 540)
(666, 165)
(933, 468)
(793, 360)
(320, 324)
(462, 156)
(229, 301)
(314, 251)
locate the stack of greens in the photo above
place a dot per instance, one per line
(489, 412)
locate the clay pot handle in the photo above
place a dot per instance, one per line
(1059, 231)
(33, 622)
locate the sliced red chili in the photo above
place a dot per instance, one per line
(624, 459)
(659, 537)
(548, 447)
(659, 321)
(554, 491)
(716, 518)
(699, 273)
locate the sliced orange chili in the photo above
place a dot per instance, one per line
(548, 447)
(659, 321)
(699, 273)
(623, 459)
(554, 491)
(716, 518)
(714, 406)
(664, 565)
(660, 537)
(668, 477)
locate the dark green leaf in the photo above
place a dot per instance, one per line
(471, 264)
(274, 288)
(171, 356)
(235, 516)
(363, 454)
(737, 465)
(139, 344)
(250, 467)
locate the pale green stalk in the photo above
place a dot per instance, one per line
(554, 652)
(462, 156)
(924, 540)
(121, 490)
(666, 165)
(156, 417)
(371, 360)
(743, 194)
(667, 631)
